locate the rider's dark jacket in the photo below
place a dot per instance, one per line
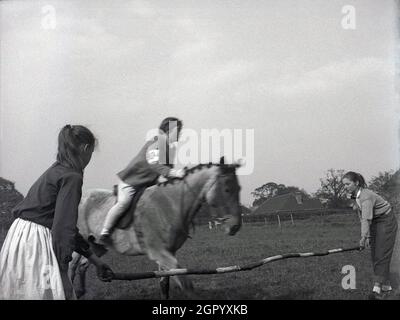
(151, 162)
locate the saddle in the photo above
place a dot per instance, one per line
(127, 217)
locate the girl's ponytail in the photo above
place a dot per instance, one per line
(361, 181)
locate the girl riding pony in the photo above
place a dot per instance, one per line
(151, 163)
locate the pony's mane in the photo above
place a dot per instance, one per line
(226, 168)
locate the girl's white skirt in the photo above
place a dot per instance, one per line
(28, 265)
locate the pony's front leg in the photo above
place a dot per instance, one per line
(167, 261)
(164, 285)
(185, 284)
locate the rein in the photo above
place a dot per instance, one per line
(199, 199)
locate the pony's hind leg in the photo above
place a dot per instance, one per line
(73, 265)
(82, 269)
(78, 267)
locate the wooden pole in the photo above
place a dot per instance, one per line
(279, 220)
(228, 269)
(291, 217)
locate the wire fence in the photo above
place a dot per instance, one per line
(280, 217)
(284, 217)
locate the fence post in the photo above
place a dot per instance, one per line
(291, 217)
(279, 220)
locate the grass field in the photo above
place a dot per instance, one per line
(298, 278)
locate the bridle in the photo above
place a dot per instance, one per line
(201, 199)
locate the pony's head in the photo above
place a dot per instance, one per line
(222, 195)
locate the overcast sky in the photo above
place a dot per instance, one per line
(317, 96)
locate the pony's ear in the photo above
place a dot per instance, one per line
(240, 162)
(222, 160)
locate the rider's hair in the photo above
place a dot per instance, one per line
(356, 177)
(165, 124)
(70, 141)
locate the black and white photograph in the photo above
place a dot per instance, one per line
(216, 151)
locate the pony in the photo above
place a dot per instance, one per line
(162, 219)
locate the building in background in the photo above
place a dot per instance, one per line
(288, 202)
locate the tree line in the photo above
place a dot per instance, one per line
(9, 197)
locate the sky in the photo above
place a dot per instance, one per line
(315, 93)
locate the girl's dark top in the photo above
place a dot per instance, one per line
(53, 202)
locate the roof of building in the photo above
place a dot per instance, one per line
(287, 202)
